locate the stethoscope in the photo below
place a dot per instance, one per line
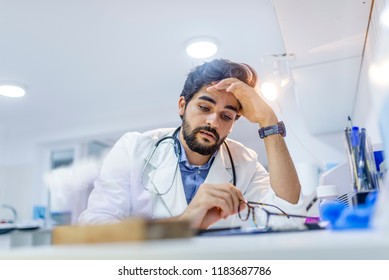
(177, 149)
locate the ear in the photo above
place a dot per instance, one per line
(181, 106)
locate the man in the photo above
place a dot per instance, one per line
(196, 173)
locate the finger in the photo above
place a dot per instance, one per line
(232, 195)
(223, 84)
(213, 215)
(210, 196)
(225, 201)
(222, 214)
(217, 87)
(240, 195)
(242, 205)
(237, 197)
(219, 208)
(229, 81)
(225, 196)
(232, 88)
(222, 197)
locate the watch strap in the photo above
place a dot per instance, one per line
(278, 128)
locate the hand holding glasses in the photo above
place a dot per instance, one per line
(261, 215)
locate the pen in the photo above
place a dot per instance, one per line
(355, 142)
(363, 176)
(370, 167)
(350, 122)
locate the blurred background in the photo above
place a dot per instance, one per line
(93, 70)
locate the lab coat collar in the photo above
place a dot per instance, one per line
(164, 173)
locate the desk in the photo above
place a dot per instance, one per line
(317, 245)
(24, 238)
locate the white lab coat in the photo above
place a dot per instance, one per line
(118, 193)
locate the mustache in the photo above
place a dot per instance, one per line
(209, 129)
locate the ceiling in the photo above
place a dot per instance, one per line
(328, 40)
(113, 65)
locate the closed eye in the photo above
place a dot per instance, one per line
(203, 108)
(226, 117)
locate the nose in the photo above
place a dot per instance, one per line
(212, 120)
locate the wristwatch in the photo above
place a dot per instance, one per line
(278, 128)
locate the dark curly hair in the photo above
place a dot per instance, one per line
(216, 70)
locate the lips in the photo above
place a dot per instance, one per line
(207, 134)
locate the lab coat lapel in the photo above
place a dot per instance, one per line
(221, 171)
(164, 174)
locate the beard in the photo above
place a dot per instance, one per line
(194, 144)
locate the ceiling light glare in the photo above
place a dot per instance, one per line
(378, 73)
(285, 82)
(12, 90)
(384, 17)
(201, 48)
(269, 91)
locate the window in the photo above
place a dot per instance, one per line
(61, 158)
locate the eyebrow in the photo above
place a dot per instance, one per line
(209, 99)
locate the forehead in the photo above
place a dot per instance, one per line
(221, 97)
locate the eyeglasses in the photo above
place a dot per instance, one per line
(261, 215)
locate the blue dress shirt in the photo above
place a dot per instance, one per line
(192, 175)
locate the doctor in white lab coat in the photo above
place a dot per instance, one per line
(215, 95)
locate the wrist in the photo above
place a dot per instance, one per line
(264, 122)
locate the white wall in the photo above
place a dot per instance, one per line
(17, 192)
(312, 154)
(2, 168)
(24, 153)
(2, 183)
(371, 96)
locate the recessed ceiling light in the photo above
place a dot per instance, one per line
(12, 90)
(201, 48)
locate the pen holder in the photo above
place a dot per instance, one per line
(364, 175)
